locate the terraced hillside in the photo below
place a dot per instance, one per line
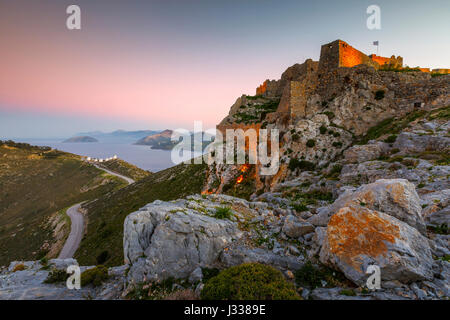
(37, 184)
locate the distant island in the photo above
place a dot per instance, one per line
(119, 136)
(80, 139)
(160, 140)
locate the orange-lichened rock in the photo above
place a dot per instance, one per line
(357, 237)
(395, 197)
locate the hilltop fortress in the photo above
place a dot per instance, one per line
(356, 88)
(321, 107)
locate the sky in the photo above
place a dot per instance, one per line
(165, 64)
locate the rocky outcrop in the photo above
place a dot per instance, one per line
(409, 142)
(29, 282)
(168, 239)
(396, 197)
(361, 153)
(358, 237)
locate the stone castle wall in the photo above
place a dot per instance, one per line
(394, 62)
(308, 88)
(340, 54)
(268, 88)
(441, 71)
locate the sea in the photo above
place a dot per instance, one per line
(141, 156)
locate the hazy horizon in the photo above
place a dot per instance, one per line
(155, 65)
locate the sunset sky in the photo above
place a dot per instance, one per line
(163, 64)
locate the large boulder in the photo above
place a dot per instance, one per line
(357, 237)
(168, 239)
(395, 197)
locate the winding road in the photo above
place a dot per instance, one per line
(77, 222)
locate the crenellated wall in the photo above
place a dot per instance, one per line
(394, 62)
(340, 54)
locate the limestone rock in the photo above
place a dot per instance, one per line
(361, 153)
(358, 237)
(294, 227)
(166, 239)
(396, 197)
(411, 143)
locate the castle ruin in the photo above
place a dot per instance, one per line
(311, 87)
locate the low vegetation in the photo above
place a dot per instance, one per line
(256, 112)
(126, 169)
(318, 276)
(390, 126)
(301, 164)
(251, 281)
(57, 276)
(223, 213)
(379, 94)
(393, 126)
(95, 276)
(168, 289)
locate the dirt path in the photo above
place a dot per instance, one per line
(76, 230)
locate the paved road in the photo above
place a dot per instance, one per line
(76, 231)
(129, 180)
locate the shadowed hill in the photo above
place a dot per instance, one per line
(103, 243)
(37, 184)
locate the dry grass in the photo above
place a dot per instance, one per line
(186, 294)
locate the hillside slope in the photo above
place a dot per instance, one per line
(37, 184)
(125, 168)
(103, 243)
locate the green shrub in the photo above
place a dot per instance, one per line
(102, 257)
(442, 229)
(299, 207)
(379, 94)
(95, 276)
(337, 144)
(209, 273)
(335, 171)
(310, 143)
(391, 138)
(56, 276)
(323, 129)
(250, 281)
(445, 258)
(311, 276)
(329, 114)
(347, 292)
(301, 164)
(421, 185)
(223, 213)
(295, 137)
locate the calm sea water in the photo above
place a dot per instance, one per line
(141, 156)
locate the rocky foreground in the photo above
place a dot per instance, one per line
(379, 223)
